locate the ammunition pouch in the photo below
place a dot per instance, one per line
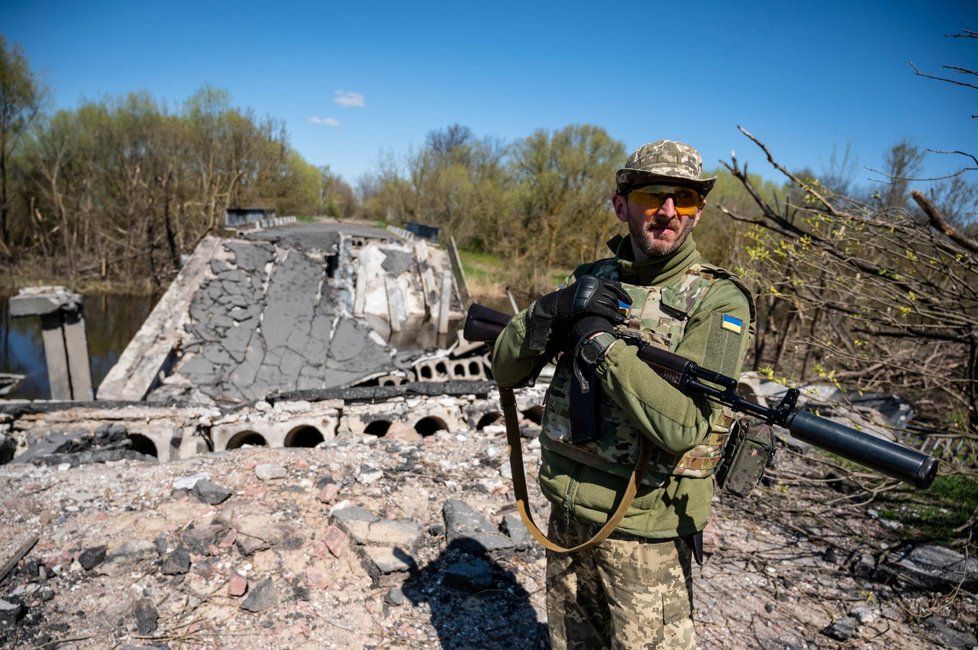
(748, 452)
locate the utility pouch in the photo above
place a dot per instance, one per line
(748, 451)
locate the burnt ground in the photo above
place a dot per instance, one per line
(127, 556)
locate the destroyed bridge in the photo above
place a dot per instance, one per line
(285, 337)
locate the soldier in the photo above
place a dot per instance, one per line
(605, 406)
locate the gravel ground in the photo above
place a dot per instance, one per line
(793, 566)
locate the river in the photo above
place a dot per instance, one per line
(111, 320)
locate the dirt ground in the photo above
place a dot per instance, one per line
(127, 557)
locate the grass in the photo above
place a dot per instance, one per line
(941, 513)
(485, 275)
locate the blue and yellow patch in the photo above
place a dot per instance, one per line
(732, 324)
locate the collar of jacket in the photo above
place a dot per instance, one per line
(655, 271)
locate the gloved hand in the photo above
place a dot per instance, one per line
(584, 328)
(587, 296)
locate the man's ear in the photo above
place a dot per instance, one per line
(621, 207)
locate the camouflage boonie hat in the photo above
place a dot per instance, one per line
(664, 160)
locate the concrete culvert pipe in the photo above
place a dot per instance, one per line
(534, 414)
(487, 419)
(247, 438)
(377, 428)
(304, 436)
(143, 445)
(430, 425)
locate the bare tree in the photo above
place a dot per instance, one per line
(876, 297)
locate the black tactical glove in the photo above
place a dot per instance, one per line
(583, 329)
(587, 296)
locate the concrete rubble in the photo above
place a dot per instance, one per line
(284, 338)
(385, 543)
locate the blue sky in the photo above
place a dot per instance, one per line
(356, 80)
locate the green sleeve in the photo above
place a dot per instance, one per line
(671, 419)
(512, 362)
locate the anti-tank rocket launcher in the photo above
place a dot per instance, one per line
(884, 456)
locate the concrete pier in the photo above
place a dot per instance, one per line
(63, 333)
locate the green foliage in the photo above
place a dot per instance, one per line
(122, 187)
(942, 512)
(21, 96)
(723, 240)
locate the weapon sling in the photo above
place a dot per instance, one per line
(507, 399)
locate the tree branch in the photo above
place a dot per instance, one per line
(917, 72)
(938, 222)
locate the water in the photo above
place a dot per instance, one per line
(111, 320)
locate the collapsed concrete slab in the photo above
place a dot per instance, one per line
(308, 307)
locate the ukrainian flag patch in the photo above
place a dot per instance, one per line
(732, 324)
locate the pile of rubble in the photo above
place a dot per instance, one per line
(404, 541)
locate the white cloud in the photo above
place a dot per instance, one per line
(348, 99)
(325, 121)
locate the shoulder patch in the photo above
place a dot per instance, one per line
(732, 324)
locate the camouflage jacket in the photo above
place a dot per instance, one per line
(635, 401)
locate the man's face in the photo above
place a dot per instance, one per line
(654, 222)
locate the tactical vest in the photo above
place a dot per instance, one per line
(660, 316)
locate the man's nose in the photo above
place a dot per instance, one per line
(668, 208)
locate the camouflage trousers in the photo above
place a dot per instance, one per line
(625, 593)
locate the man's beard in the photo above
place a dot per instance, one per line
(641, 237)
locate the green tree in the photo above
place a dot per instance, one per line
(564, 181)
(336, 197)
(21, 96)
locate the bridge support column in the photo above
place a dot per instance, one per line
(63, 332)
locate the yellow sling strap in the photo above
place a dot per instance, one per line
(507, 399)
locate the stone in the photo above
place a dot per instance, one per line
(268, 471)
(354, 521)
(842, 629)
(92, 557)
(335, 540)
(468, 530)
(248, 545)
(188, 482)
(237, 585)
(402, 533)
(931, 567)
(951, 637)
(176, 563)
(328, 493)
(200, 538)
(386, 566)
(473, 574)
(865, 615)
(317, 578)
(262, 597)
(210, 493)
(146, 616)
(395, 596)
(514, 527)
(11, 611)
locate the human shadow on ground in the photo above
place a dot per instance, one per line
(475, 602)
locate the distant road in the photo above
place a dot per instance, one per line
(317, 235)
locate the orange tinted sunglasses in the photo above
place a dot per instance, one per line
(686, 200)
